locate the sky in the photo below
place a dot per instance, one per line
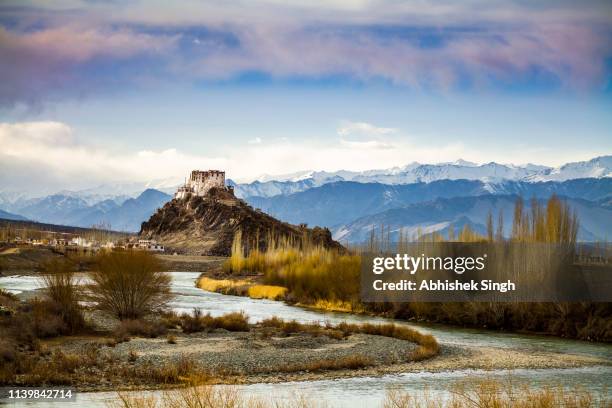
(95, 92)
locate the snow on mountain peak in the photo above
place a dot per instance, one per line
(490, 173)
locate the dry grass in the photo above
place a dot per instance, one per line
(224, 286)
(206, 396)
(142, 328)
(196, 322)
(468, 394)
(191, 397)
(8, 295)
(55, 368)
(292, 326)
(267, 292)
(352, 362)
(309, 273)
(499, 394)
(338, 306)
(174, 372)
(427, 344)
(241, 287)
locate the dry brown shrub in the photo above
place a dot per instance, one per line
(138, 327)
(351, 362)
(130, 284)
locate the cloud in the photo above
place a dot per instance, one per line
(364, 129)
(368, 144)
(49, 156)
(437, 45)
(362, 135)
(254, 141)
(68, 59)
(51, 149)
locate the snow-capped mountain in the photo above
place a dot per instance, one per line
(595, 168)
(491, 173)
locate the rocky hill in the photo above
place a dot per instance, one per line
(207, 226)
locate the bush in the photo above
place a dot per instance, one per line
(62, 289)
(196, 322)
(37, 319)
(8, 295)
(7, 351)
(130, 284)
(141, 328)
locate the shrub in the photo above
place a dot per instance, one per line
(498, 394)
(172, 372)
(267, 292)
(38, 319)
(140, 327)
(236, 321)
(196, 322)
(130, 284)
(7, 351)
(352, 362)
(62, 289)
(8, 295)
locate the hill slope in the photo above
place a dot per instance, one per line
(10, 216)
(207, 225)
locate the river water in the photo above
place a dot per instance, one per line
(366, 391)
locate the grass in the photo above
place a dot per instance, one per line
(499, 394)
(427, 344)
(8, 295)
(141, 328)
(242, 287)
(267, 292)
(309, 273)
(196, 322)
(352, 362)
(224, 286)
(469, 393)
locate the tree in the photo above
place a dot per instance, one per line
(499, 235)
(490, 226)
(517, 227)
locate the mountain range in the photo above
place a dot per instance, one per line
(440, 214)
(490, 173)
(126, 215)
(348, 201)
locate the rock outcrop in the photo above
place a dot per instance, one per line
(207, 226)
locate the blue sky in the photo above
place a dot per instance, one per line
(98, 91)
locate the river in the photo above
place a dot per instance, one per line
(366, 391)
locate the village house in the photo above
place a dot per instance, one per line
(149, 245)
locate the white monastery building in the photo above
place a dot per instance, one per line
(200, 182)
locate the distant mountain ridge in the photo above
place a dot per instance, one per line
(326, 198)
(75, 211)
(492, 173)
(4, 215)
(438, 215)
(341, 202)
